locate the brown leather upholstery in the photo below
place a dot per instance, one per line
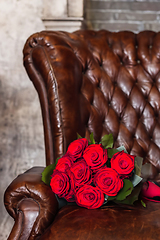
(107, 223)
(31, 203)
(100, 82)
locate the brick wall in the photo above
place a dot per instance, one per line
(114, 15)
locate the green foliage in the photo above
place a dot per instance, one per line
(143, 204)
(133, 196)
(111, 152)
(107, 141)
(122, 148)
(46, 174)
(92, 138)
(136, 180)
(78, 136)
(125, 191)
(110, 198)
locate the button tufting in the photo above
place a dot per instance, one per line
(146, 97)
(33, 42)
(120, 118)
(106, 91)
(156, 115)
(47, 44)
(101, 64)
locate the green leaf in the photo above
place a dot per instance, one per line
(110, 198)
(111, 152)
(122, 148)
(143, 204)
(92, 138)
(136, 180)
(78, 136)
(46, 174)
(107, 141)
(133, 196)
(125, 191)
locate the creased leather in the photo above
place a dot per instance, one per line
(26, 195)
(100, 82)
(110, 222)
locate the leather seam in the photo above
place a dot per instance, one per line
(57, 96)
(41, 82)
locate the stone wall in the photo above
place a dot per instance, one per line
(21, 131)
(65, 15)
(114, 15)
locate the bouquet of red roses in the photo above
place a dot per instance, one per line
(91, 174)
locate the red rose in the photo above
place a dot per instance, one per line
(60, 183)
(70, 196)
(64, 163)
(89, 197)
(80, 173)
(123, 163)
(95, 156)
(76, 148)
(107, 179)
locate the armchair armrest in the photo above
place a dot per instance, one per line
(31, 203)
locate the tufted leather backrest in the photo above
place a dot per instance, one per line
(100, 82)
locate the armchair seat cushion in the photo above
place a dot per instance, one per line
(110, 222)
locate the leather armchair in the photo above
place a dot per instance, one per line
(100, 82)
